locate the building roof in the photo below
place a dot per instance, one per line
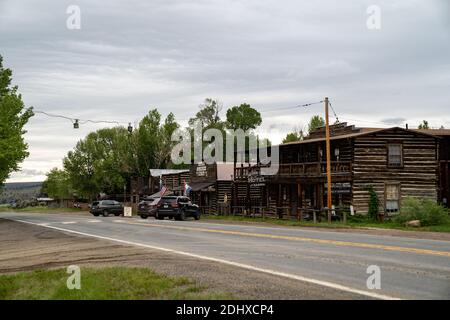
(362, 132)
(434, 132)
(160, 172)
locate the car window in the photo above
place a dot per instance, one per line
(95, 203)
(168, 199)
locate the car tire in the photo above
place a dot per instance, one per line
(197, 216)
(95, 214)
(144, 216)
(105, 213)
(182, 216)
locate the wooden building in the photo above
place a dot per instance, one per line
(395, 162)
(211, 185)
(444, 163)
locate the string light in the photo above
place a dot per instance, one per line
(76, 122)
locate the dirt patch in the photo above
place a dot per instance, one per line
(25, 247)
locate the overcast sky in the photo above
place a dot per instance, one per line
(129, 56)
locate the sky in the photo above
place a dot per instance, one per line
(130, 56)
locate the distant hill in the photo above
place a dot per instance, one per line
(22, 185)
(19, 191)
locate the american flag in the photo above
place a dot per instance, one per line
(163, 190)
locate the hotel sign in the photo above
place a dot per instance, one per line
(256, 180)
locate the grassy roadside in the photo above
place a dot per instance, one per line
(356, 223)
(40, 209)
(110, 283)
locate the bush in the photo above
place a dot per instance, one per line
(427, 211)
(373, 203)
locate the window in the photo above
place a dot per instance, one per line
(392, 198)
(395, 158)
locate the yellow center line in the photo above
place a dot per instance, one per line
(304, 239)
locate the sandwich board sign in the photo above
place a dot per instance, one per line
(127, 211)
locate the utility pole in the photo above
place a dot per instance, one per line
(327, 135)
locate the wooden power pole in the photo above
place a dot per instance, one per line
(327, 135)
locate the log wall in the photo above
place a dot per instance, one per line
(416, 178)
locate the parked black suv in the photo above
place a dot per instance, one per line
(177, 207)
(147, 207)
(106, 207)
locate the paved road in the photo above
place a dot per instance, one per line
(410, 268)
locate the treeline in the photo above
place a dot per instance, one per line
(106, 160)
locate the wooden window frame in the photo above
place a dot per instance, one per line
(398, 185)
(389, 164)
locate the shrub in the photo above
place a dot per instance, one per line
(427, 211)
(373, 203)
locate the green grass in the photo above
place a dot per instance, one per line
(40, 209)
(112, 283)
(351, 223)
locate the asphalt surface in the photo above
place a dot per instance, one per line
(410, 268)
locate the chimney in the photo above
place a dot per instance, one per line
(406, 126)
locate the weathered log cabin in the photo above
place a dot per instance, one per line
(444, 163)
(395, 162)
(211, 184)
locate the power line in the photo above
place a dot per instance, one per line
(293, 107)
(77, 121)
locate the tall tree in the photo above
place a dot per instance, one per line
(100, 162)
(243, 117)
(13, 117)
(424, 125)
(208, 114)
(315, 122)
(153, 141)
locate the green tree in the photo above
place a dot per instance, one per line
(101, 162)
(153, 141)
(57, 185)
(296, 135)
(208, 114)
(13, 117)
(243, 117)
(424, 125)
(315, 122)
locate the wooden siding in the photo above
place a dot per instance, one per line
(417, 177)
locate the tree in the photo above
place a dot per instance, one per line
(315, 122)
(243, 117)
(153, 141)
(296, 135)
(424, 125)
(100, 162)
(13, 118)
(57, 185)
(208, 114)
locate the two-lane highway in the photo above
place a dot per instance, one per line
(410, 268)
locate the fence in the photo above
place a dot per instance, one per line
(306, 214)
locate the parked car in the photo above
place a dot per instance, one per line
(177, 207)
(106, 207)
(147, 207)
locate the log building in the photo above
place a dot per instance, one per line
(395, 162)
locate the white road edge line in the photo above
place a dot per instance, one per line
(231, 263)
